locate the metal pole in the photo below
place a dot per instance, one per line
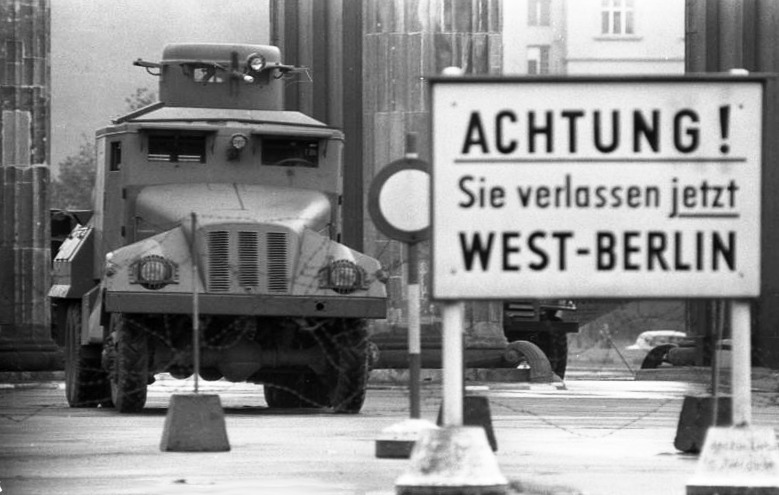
(414, 334)
(195, 309)
(741, 321)
(414, 338)
(719, 324)
(452, 313)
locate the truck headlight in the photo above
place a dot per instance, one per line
(342, 276)
(237, 143)
(153, 272)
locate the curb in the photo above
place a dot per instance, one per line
(30, 379)
(763, 379)
(518, 378)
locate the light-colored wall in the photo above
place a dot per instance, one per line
(517, 36)
(577, 47)
(656, 47)
(93, 45)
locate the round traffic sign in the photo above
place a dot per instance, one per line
(399, 200)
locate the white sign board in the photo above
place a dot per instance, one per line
(629, 187)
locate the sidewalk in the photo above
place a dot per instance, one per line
(764, 380)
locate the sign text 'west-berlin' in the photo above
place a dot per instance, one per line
(596, 188)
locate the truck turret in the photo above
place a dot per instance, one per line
(212, 75)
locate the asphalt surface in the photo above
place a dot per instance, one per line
(605, 436)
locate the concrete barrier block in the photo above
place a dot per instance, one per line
(195, 423)
(398, 440)
(452, 460)
(696, 417)
(738, 460)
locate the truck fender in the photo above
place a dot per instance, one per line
(92, 305)
(71, 269)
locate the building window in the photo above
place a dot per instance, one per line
(538, 60)
(617, 17)
(538, 12)
(203, 73)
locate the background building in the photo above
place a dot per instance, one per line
(624, 37)
(534, 40)
(593, 37)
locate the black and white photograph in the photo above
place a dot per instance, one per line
(389, 247)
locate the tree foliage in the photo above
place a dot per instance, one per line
(72, 189)
(141, 98)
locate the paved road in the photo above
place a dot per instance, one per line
(596, 437)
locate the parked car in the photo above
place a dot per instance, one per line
(652, 338)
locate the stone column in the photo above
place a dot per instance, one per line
(403, 43)
(723, 35)
(25, 255)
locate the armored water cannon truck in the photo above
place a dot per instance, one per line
(217, 211)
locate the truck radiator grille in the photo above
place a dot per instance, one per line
(219, 261)
(240, 260)
(248, 257)
(277, 261)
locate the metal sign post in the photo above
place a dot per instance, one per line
(414, 330)
(452, 316)
(195, 422)
(399, 206)
(195, 308)
(455, 458)
(741, 367)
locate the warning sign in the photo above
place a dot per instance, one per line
(630, 187)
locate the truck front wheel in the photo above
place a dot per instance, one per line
(348, 352)
(292, 391)
(86, 383)
(130, 373)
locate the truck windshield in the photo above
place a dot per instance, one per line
(290, 152)
(177, 147)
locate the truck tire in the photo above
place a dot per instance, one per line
(86, 383)
(129, 379)
(656, 356)
(521, 350)
(295, 391)
(348, 355)
(279, 398)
